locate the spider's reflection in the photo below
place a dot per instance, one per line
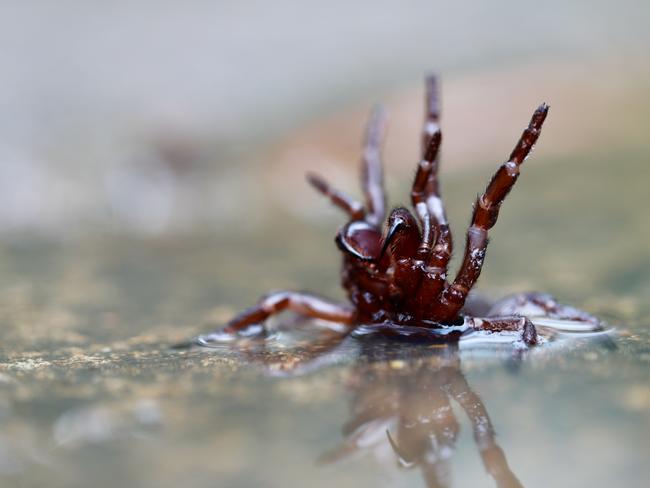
(401, 399)
(408, 404)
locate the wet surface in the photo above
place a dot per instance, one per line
(92, 393)
(574, 414)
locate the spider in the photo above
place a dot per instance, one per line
(395, 269)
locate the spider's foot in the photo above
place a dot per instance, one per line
(548, 310)
(225, 336)
(529, 334)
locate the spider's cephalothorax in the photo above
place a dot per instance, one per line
(395, 270)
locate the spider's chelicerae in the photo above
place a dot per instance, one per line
(395, 274)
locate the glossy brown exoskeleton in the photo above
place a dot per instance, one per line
(395, 272)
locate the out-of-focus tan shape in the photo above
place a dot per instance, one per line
(593, 108)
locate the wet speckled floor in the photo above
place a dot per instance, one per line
(92, 393)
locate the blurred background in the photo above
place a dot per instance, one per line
(148, 118)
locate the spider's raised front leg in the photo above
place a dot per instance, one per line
(274, 303)
(419, 196)
(434, 201)
(486, 211)
(372, 182)
(425, 184)
(372, 179)
(340, 199)
(435, 249)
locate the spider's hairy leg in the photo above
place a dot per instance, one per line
(425, 193)
(493, 457)
(372, 179)
(512, 323)
(486, 211)
(431, 126)
(436, 247)
(431, 110)
(274, 303)
(419, 194)
(340, 199)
